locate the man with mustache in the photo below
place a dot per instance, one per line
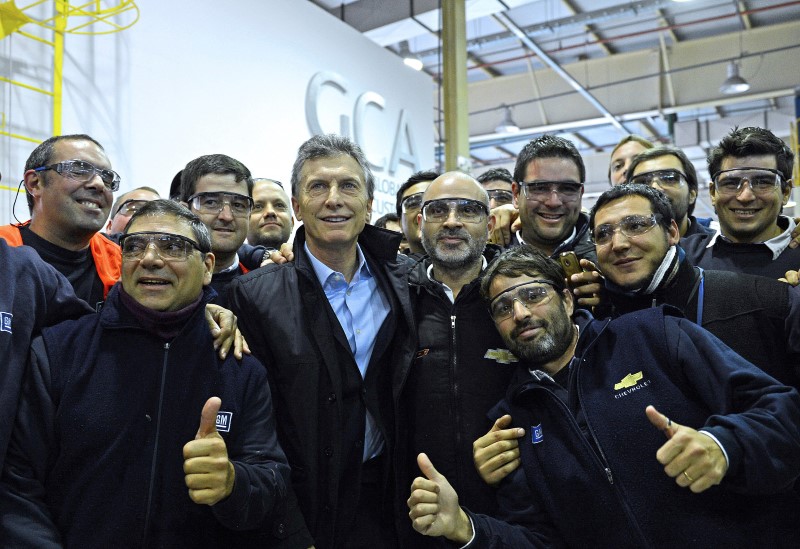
(461, 367)
(625, 418)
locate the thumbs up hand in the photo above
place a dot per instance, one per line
(434, 509)
(209, 474)
(693, 459)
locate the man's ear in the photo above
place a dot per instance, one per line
(787, 191)
(208, 263)
(568, 300)
(296, 208)
(33, 181)
(515, 192)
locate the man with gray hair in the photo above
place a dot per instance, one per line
(332, 328)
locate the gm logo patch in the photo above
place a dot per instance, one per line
(224, 421)
(5, 322)
(536, 434)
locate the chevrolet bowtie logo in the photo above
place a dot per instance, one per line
(629, 381)
(503, 356)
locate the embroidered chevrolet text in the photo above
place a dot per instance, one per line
(5, 322)
(224, 421)
(502, 356)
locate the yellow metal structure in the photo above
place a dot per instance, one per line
(86, 18)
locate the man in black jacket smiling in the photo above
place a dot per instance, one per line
(126, 410)
(331, 327)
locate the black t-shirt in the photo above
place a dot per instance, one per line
(78, 266)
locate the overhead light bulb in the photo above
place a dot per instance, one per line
(507, 125)
(410, 59)
(734, 83)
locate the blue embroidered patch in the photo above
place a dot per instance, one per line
(536, 434)
(5, 322)
(224, 421)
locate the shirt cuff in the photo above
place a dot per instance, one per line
(721, 447)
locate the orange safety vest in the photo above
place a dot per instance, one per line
(106, 254)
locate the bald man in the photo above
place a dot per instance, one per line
(461, 367)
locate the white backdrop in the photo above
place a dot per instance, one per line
(249, 78)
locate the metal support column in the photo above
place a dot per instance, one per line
(454, 83)
(62, 9)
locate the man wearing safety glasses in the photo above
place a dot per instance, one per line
(129, 414)
(125, 206)
(68, 184)
(642, 431)
(219, 190)
(670, 170)
(409, 202)
(751, 172)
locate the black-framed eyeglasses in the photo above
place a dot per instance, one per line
(567, 191)
(129, 207)
(501, 196)
(468, 211)
(631, 226)
(169, 247)
(762, 181)
(213, 203)
(411, 202)
(83, 172)
(662, 178)
(528, 295)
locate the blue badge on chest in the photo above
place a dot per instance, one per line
(536, 434)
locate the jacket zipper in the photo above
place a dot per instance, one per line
(153, 463)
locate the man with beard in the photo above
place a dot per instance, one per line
(595, 410)
(218, 189)
(671, 171)
(461, 368)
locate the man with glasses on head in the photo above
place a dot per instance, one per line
(124, 207)
(751, 172)
(68, 185)
(624, 431)
(218, 189)
(671, 171)
(131, 429)
(461, 367)
(408, 203)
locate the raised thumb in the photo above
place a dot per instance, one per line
(208, 418)
(660, 421)
(427, 467)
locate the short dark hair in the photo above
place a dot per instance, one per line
(327, 146)
(657, 152)
(519, 261)
(220, 164)
(419, 177)
(384, 219)
(43, 153)
(548, 146)
(496, 174)
(742, 142)
(118, 201)
(627, 139)
(659, 203)
(162, 207)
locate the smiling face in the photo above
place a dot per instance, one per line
(630, 262)
(748, 217)
(547, 223)
(540, 334)
(332, 203)
(227, 231)
(453, 244)
(271, 218)
(164, 285)
(66, 212)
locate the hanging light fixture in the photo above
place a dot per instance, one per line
(734, 83)
(410, 59)
(507, 125)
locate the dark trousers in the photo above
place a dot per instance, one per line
(373, 526)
